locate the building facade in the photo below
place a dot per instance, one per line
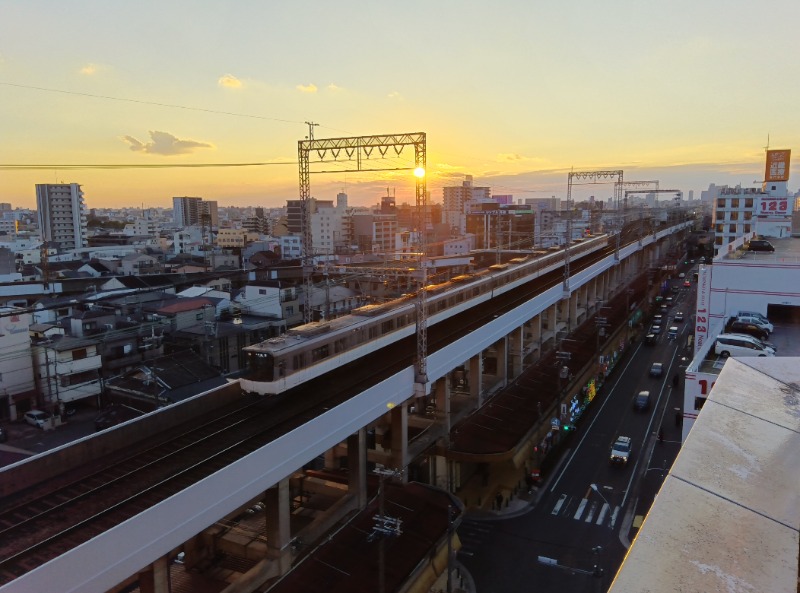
(62, 214)
(188, 211)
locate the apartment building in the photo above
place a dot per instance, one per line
(61, 212)
(455, 203)
(190, 211)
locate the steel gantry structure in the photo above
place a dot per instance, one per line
(587, 177)
(355, 151)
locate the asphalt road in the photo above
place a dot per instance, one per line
(571, 527)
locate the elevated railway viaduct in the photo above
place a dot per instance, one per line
(233, 490)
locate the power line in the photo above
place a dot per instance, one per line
(19, 167)
(157, 104)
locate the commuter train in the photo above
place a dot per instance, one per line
(311, 350)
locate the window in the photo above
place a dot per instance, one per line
(373, 332)
(289, 311)
(387, 326)
(79, 354)
(262, 291)
(319, 353)
(699, 402)
(299, 360)
(199, 316)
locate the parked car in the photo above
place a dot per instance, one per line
(765, 325)
(760, 245)
(752, 314)
(751, 329)
(656, 369)
(741, 345)
(37, 418)
(641, 401)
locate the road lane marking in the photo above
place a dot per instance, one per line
(602, 514)
(557, 508)
(581, 506)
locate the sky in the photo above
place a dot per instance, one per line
(515, 93)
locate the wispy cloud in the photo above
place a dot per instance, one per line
(334, 88)
(230, 81)
(164, 143)
(89, 69)
(396, 96)
(510, 157)
(307, 88)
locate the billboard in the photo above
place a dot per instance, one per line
(703, 307)
(777, 165)
(773, 206)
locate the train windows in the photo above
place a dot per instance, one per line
(373, 332)
(340, 345)
(299, 360)
(320, 353)
(387, 326)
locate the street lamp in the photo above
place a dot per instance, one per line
(596, 489)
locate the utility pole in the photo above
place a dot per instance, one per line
(384, 526)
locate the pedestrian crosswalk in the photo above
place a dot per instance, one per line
(586, 510)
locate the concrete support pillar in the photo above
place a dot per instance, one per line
(440, 464)
(279, 533)
(330, 459)
(194, 550)
(399, 420)
(515, 346)
(156, 578)
(572, 311)
(476, 378)
(357, 466)
(501, 349)
(443, 393)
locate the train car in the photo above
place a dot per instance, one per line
(310, 351)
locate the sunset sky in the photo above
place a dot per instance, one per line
(515, 93)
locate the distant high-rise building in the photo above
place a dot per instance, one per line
(456, 201)
(187, 211)
(62, 214)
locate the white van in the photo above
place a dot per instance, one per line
(741, 345)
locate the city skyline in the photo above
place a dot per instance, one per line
(516, 96)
